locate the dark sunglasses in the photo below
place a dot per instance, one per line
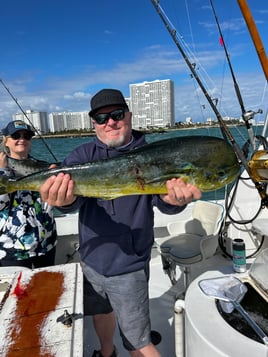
(17, 135)
(116, 115)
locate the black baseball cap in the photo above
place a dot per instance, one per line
(106, 98)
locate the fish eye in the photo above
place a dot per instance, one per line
(221, 173)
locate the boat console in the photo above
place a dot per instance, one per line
(212, 332)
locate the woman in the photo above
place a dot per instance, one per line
(27, 227)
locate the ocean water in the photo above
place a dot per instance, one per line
(61, 147)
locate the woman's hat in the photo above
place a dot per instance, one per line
(16, 125)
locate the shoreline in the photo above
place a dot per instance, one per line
(149, 131)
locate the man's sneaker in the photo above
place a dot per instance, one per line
(98, 354)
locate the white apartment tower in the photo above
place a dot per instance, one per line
(69, 121)
(152, 104)
(39, 120)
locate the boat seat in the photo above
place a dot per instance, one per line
(190, 242)
(260, 227)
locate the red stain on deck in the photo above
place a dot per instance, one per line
(19, 289)
(34, 303)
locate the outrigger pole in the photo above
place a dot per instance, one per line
(246, 115)
(224, 128)
(256, 41)
(26, 116)
(254, 35)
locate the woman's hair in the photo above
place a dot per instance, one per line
(3, 145)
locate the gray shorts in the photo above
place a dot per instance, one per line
(127, 296)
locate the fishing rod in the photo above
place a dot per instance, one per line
(246, 115)
(26, 116)
(173, 32)
(224, 128)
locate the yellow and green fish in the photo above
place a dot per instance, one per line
(208, 162)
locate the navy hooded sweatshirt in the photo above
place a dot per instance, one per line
(115, 236)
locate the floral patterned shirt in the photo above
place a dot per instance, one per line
(27, 226)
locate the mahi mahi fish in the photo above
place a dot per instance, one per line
(210, 163)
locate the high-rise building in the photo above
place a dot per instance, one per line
(69, 121)
(38, 120)
(152, 104)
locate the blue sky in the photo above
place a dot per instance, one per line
(56, 54)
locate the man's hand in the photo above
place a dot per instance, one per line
(180, 193)
(58, 190)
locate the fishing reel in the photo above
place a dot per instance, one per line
(258, 171)
(262, 141)
(249, 115)
(258, 166)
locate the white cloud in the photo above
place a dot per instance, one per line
(156, 62)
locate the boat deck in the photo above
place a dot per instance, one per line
(162, 293)
(162, 297)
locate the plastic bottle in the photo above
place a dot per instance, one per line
(239, 256)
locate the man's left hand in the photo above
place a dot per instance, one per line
(180, 193)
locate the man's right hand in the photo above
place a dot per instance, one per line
(58, 190)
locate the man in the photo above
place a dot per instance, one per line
(116, 236)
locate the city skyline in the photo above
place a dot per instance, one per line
(55, 61)
(151, 104)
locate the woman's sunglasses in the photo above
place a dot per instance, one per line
(103, 118)
(17, 135)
